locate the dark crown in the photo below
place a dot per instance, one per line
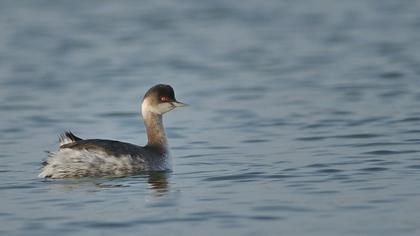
(161, 90)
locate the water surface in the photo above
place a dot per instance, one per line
(304, 116)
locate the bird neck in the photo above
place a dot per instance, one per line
(156, 135)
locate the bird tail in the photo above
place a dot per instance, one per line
(68, 137)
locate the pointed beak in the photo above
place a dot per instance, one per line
(179, 104)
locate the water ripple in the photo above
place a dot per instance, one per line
(414, 166)
(282, 208)
(244, 176)
(348, 136)
(388, 152)
(329, 171)
(373, 169)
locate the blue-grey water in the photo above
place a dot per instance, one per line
(304, 116)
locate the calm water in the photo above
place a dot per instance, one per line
(304, 116)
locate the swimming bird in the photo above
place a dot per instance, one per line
(78, 157)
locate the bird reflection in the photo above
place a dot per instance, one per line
(158, 182)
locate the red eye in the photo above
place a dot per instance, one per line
(164, 99)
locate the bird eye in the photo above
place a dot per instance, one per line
(164, 99)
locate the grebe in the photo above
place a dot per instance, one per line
(78, 157)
